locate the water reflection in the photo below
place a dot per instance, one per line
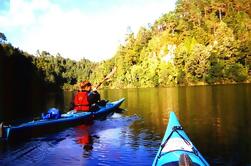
(216, 118)
(84, 137)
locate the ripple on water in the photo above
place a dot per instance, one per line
(117, 143)
(27, 154)
(113, 143)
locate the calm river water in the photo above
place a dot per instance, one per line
(216, 118)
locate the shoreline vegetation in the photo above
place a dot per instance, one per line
(199, 43)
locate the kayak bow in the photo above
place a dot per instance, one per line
(176, 147)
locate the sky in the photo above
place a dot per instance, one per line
(76, 29)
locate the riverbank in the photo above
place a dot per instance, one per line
(226, 82)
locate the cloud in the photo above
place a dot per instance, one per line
(43, 25)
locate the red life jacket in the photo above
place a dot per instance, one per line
(81, 102)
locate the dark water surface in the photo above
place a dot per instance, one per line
(216, 118)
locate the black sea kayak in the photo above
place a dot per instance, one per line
(176, 147)
(67, 120)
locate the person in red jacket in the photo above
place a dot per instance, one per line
(85, 97)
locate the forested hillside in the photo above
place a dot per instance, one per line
(200, 42)
(57, 71)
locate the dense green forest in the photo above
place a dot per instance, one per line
(200, 42)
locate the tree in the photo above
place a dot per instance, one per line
(2, 38)
(236, 72)
(197, 63)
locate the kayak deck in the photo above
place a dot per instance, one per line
(176, 145)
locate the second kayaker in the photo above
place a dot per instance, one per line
(85, 98)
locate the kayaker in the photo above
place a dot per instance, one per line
(85, 98)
